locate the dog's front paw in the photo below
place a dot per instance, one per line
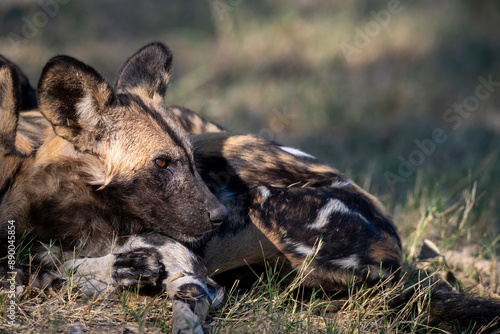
(139, 267)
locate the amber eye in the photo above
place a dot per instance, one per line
(162, 163)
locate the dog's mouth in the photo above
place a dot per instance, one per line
(191, 239)
(183, 236)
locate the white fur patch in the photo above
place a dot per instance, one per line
(296, 152)
(363, 218)
(93, 275)
(264, 193)
(340, 184)
(333, 205)
(351, 261)
(303, 249)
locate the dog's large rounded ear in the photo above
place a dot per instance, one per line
(146, 72)
(28, 93)
(76, 100)
(9, 108)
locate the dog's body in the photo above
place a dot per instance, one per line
(282, 201)
(288, 205)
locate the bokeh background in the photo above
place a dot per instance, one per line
(355, 83)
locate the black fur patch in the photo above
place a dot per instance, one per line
(147, 68)
(191, 294)
(140, 266)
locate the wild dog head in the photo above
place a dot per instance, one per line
(149, 165)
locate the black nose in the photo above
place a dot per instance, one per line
(218, 215)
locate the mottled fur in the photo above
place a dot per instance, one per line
(287, 202)
(21, 126)
(10, 159)
(114, 165)
(191, 123)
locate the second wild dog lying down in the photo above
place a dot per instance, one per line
(115, 182)
(282, 202)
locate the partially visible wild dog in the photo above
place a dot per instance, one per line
(31, 123)
(15, 148)
(10, 159)
(115, 168)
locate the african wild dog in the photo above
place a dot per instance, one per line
(282, 200)
(114, 182)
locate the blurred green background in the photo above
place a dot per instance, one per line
(355, 83)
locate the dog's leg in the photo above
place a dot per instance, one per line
(138, 267)
(184, 279)
(153, 259)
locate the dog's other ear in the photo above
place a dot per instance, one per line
(76, 100)
(28, 93)
(9, 108)
(147, 72)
